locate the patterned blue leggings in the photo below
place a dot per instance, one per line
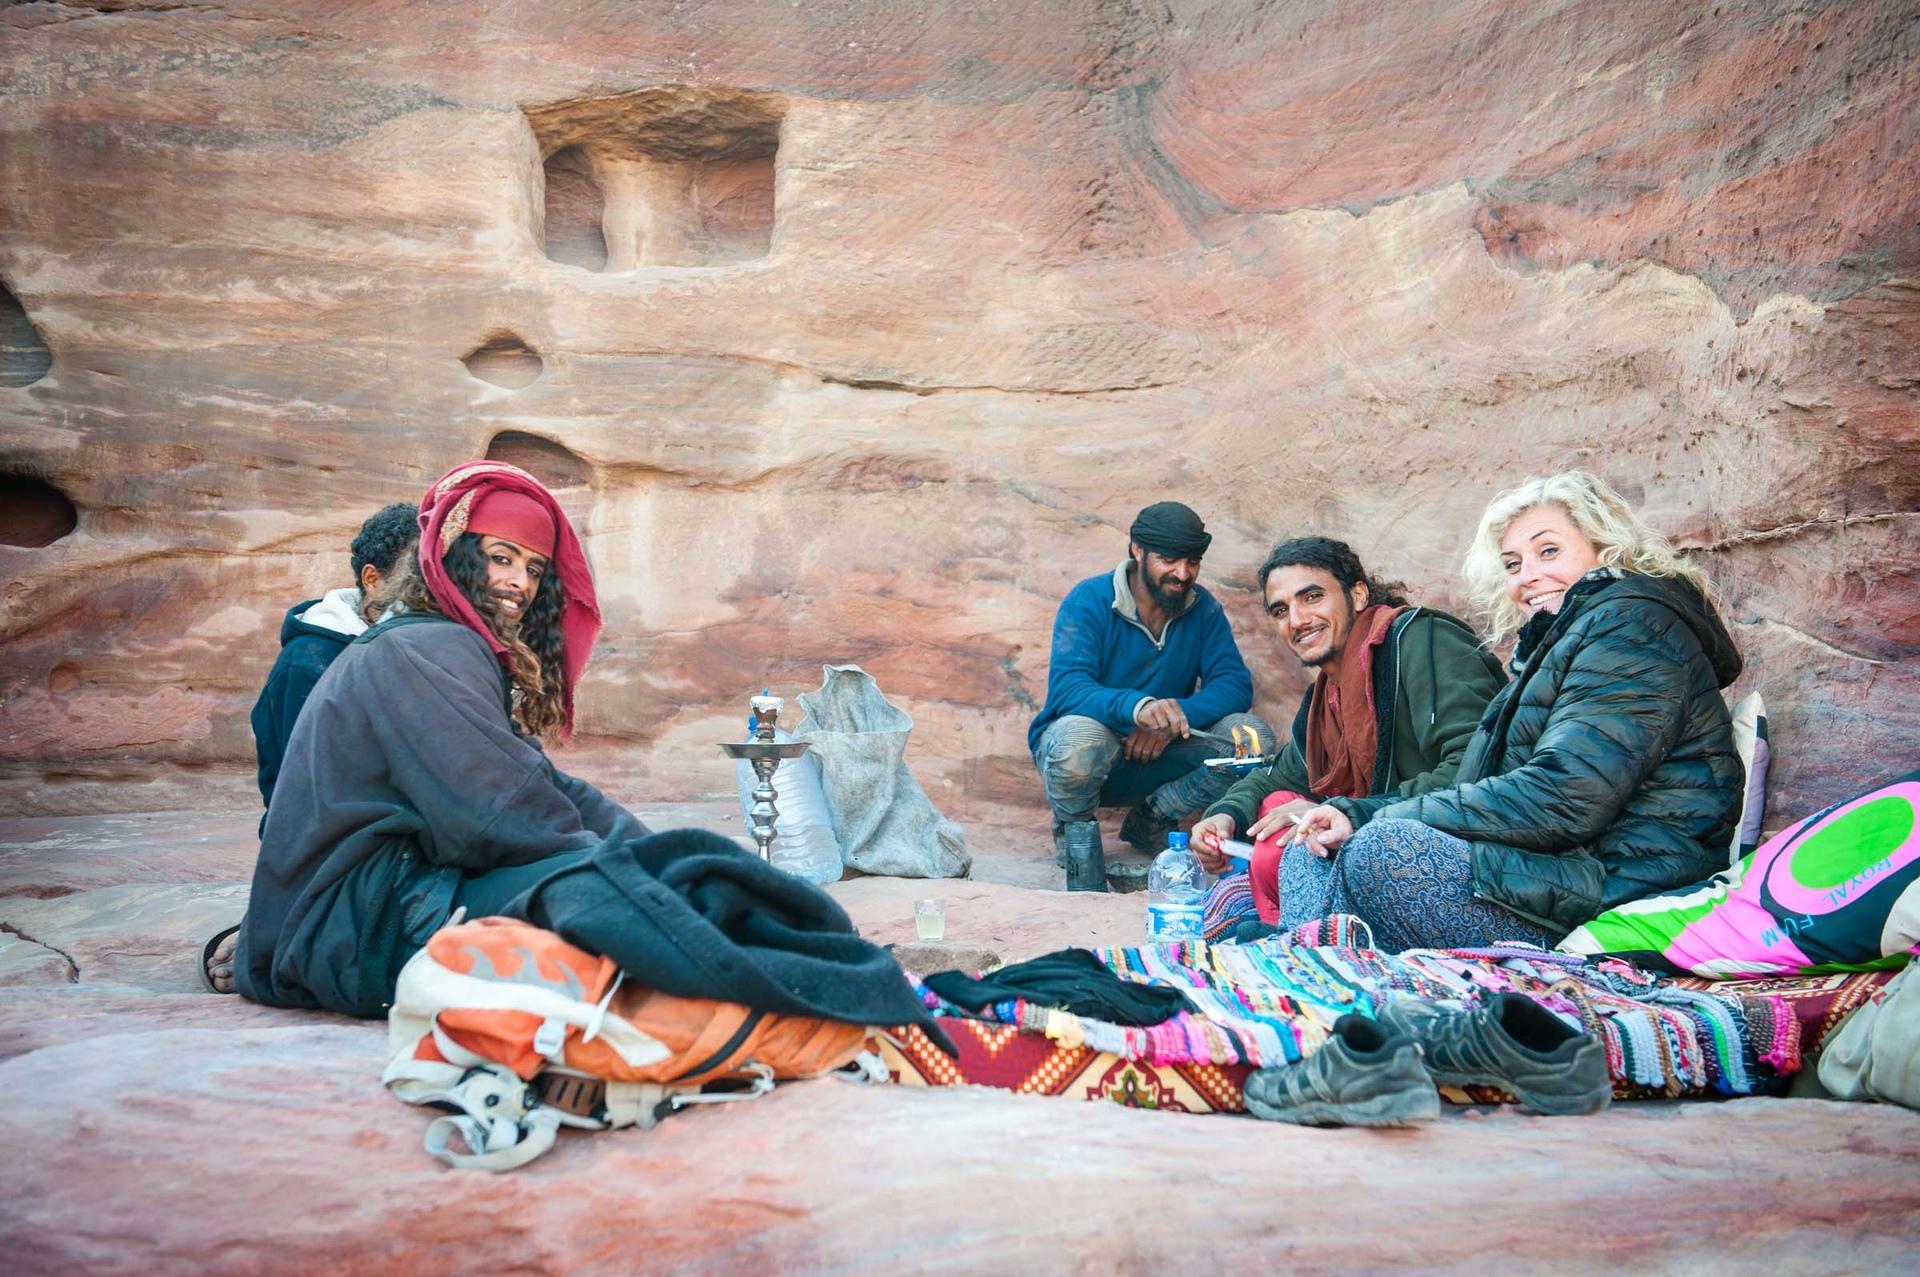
(1411, 883)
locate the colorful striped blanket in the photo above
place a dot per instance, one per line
(1274, 1002)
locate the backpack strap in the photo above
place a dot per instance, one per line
(501, 1120)
(679, 1098)
(867, 1068)
(536, 1136)
(493, 1123)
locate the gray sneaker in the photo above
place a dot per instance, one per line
(1363, 1076)
(1511, 1042)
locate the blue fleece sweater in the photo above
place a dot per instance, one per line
(307, 648)
(1104, 663)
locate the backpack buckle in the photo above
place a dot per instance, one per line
(551, 1040)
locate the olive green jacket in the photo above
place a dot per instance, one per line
(1431, 682)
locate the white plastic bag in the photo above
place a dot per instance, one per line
(804, 844)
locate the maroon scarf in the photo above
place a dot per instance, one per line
(1342, 732)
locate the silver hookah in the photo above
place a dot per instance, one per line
(764, 753)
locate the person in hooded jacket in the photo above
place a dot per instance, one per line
(415, 788)
(413, 781)
(1603, 772)
(318, 630)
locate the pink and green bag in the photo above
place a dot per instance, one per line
(1839, 891)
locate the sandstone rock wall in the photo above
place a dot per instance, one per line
(856, 331)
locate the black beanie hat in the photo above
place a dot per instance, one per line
(1170, 530)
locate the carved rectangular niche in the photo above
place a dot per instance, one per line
(667, 176)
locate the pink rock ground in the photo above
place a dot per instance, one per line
(153, 1128)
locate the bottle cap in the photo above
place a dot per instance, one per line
(1177, 840)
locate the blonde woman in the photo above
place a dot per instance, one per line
(1603, 772)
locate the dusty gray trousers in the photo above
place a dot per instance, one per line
(1081, 765)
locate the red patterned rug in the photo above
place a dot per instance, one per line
(1000, 1055)
(1819, 1002)
(1029, 1063)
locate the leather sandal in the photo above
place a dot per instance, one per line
(206, 959)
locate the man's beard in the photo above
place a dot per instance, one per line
(1172, 602)
(1168, 600)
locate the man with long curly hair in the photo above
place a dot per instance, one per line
(414, 783)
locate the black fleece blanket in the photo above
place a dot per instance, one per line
(692, 914)
(1069, 980)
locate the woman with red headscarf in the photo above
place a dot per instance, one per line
(414, 783)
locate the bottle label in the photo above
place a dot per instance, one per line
(1167, 921)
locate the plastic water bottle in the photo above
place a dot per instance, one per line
(804, 843)
(1176, 893)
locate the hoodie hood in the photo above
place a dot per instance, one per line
(334, 615)
(1700, 615)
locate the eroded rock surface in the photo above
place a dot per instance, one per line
(865, 328)
(323, 1171)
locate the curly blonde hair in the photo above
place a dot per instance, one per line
(1602, 515)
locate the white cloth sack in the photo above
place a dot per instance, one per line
(884, 820)
(1875, 1053)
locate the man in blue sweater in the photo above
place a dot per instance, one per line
(1143, 682)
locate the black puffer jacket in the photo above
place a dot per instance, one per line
(1605, 770)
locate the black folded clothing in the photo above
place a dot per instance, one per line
(1070, 980)
(689, 913)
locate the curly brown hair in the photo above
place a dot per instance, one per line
(535, 647)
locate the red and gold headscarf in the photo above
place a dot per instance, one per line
(508, 502)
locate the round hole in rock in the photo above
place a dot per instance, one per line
(63, 677)
(506, 361)
(553, 464)
(24, 358)
(33, 513)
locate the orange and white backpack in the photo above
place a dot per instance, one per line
(521, 1033)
